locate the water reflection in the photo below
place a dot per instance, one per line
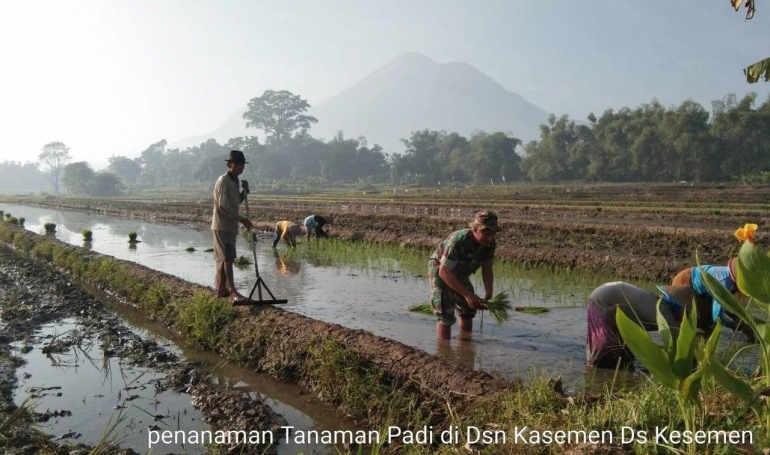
(361, 298)
(463, 354)
(286, 266)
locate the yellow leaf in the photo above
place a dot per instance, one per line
(736, 4)
(759, 70)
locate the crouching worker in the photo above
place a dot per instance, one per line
(605, 347)
(314, 225)
(288, 232)
(693, 277)
(449, 270)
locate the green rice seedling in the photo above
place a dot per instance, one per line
(87, 235)
(50, 228)
(531, 309)
(561, 286)
(242, 261)
(422, 308)
(189, 249)
(500, 307)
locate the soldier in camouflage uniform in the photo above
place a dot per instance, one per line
(449, 270)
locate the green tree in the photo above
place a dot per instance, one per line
(54, 157)
(493, 157)
(422, 154)
(127, 169)
(454, 153)
(279, 114)
(20, 177)
(77, 178)
(350, 160)
(106, 184)
(153, 161)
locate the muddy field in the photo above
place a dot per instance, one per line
(632, 232)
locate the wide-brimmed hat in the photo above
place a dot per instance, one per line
(237, 155)
(487, 220)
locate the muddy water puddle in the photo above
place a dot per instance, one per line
(82, 394)
(373, 300)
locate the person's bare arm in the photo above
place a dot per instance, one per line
(451, 280)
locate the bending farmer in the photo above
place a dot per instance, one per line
(286, 231)
(224, 224)
(450, 268)
(726, 276)
(605, 347)
(314, 225)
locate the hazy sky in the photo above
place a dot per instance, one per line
(110, 77)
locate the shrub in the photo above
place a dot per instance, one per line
(50, 228)
(88, 235)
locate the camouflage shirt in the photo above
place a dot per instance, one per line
(462, 254)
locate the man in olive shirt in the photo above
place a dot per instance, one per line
(224, 224)
(449, 269)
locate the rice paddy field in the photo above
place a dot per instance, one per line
(348, 337)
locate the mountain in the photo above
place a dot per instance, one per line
(410, 93)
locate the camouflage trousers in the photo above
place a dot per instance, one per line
(444, 301)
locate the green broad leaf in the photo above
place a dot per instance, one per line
(652, 356)
(713, 341)
(758, 70)
(665, 333)
(726, 298)
(763, 332)
(685, 344)
(691, 385)
(730, 381)
(754, 273)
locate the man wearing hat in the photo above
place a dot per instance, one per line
(605, 347)
(449, 270)
(693, 277)
(224, 224)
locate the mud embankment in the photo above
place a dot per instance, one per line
(647, 252)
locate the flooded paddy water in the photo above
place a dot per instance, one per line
(370, 298)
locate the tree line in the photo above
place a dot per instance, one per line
(651, 143)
